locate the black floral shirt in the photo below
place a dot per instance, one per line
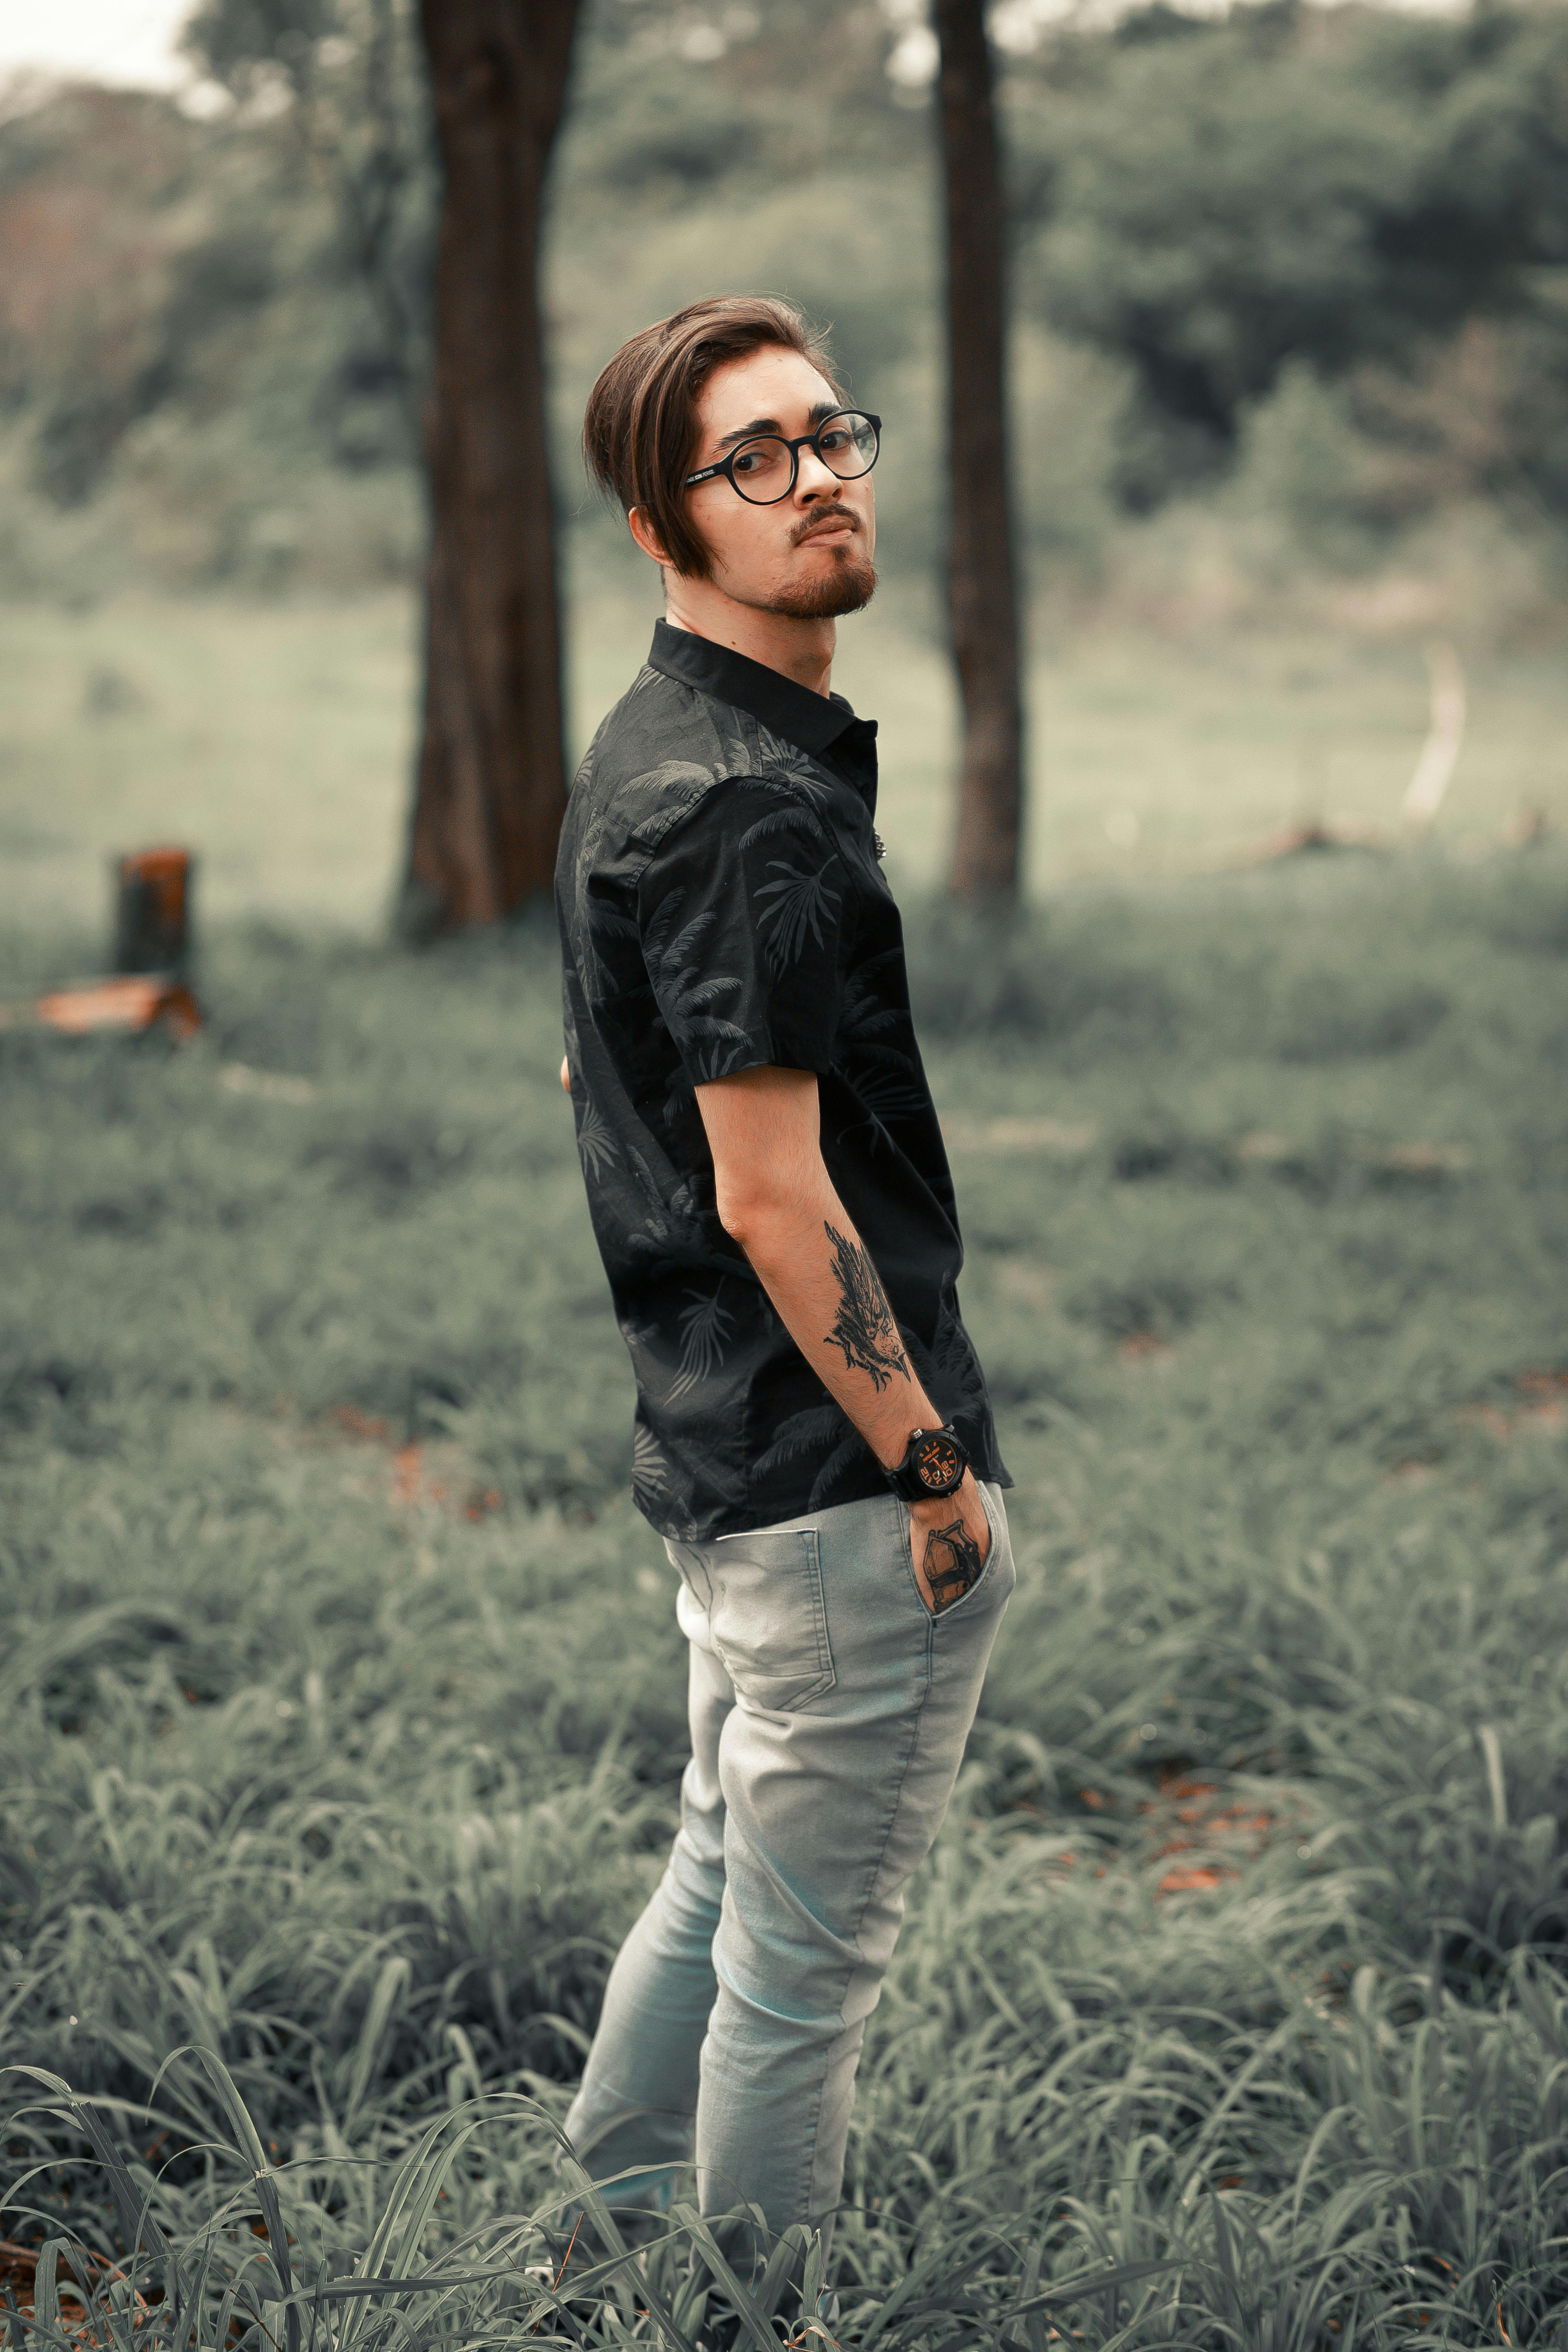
(722, 905)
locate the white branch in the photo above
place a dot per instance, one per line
(1445, 736)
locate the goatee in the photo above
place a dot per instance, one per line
(848, 588)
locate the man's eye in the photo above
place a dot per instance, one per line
(835, 440)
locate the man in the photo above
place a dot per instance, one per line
(769, 1191)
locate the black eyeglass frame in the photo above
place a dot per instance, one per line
(726, 465)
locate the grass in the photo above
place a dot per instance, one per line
(275, 739)
(342, 1700)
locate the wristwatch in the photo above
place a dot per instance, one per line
(934, 1463)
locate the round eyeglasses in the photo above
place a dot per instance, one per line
(765, 470)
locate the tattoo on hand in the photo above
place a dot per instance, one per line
(952, 1563)
(864, 1326)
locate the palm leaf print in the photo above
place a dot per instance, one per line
(841, 1459)
(867, 1013)
(955, 1359)
(670, 1230)
(686, 1013)
(735, 1050)
(704, 1327)
(655, 783)
(647, 1469)
(719, 1062)
(683, 1201)
(784, 819)
(882, 1079)
(883, 1074)
(683, 994)
(807, 1433)
(596, 1140)
(607, 920)
(800, 899)
(659, 947)
(785, 763)
(642, 1176)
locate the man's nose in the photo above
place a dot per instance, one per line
(813, 477)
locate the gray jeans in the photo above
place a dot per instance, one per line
(829, 1711)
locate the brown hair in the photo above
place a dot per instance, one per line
(639, 432)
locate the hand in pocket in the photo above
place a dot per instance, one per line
(949, 1544)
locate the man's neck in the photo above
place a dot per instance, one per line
(801, 650)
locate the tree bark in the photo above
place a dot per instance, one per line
(982, 587)
(491, 785)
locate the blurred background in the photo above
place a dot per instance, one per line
(341, 1694)
(1290, 400)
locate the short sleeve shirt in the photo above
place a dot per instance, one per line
(722, 906)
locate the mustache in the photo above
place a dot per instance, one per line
(824, 517)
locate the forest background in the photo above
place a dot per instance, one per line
(341, 1694)
(1297, 269)
(1290, 351)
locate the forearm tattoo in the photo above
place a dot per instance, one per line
(864, 1326)
(952, 1563)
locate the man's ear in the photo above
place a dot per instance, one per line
(650, 544)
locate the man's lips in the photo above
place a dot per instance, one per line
(832, 527)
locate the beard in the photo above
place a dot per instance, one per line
(847, 588)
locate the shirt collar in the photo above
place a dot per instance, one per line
(823, 725)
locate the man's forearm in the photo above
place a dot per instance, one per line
(777, 1200)
(819, 1275)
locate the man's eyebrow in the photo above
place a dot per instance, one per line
(770, 424)
(747, 432)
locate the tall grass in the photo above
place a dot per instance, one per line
(341, 1704)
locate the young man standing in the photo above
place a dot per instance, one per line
(769, 1191)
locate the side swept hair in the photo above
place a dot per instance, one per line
(639, 432)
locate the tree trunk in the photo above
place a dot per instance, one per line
(982, 589)
(491, 779)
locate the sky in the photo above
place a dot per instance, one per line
(111, 40)
(134, 40)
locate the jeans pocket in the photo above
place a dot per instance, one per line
(998, 1570)
(768, 1618)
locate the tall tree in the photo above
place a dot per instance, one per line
(983, 585)
(490, 787)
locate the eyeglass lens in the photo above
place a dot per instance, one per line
(762, 469)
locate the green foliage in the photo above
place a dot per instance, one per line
(216, 327)
(1318, 258)
(1303, 462)
(342, 1708)
(1219, 200)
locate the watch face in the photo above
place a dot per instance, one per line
(938, 1464)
